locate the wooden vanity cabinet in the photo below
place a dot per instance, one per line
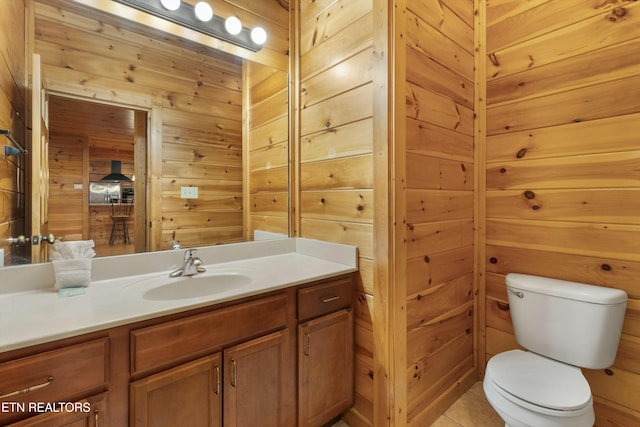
(252, 386)
(247, 373)
(96, 415)
(192, 391)
(255, 386)
(41, 381)
(234, 364)
(325, 352)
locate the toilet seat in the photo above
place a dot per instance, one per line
(539, 384)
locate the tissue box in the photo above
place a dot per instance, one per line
(71, 273)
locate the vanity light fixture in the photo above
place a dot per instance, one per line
(202, 19)
(203, 11)
(170, 4)
(233, 25)
(259, 35)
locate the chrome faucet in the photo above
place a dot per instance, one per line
(192, 265)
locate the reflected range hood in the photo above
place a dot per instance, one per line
(116, 173)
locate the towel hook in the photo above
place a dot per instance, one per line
(9, 150)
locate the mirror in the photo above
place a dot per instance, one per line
(202, 127)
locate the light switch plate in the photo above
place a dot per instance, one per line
(189, 192)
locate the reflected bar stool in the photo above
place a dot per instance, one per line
(120, 212)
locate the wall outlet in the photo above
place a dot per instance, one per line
(189, 192)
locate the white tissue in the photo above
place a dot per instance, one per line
(72, 250)
(71, 273)
(72, 263)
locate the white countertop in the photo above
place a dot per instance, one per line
(38, 314)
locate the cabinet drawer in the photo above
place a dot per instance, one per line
(324, 298)
(185, 339)
(65, 374)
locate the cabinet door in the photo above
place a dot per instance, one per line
(255, 381)
(325, 364)
(85, 413)
(187, 395)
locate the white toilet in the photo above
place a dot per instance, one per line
(564, 326)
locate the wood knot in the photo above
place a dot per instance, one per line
(503, 306)
(606, 267)
(360, 208)
(493, 260)
(529, 195)
(619, 12)
(521, 153)
(427, 259)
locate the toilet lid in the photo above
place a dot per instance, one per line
(539, 380)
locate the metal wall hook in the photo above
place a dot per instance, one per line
(9, 150)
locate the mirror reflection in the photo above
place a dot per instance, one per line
(201, 133)
(92, 174)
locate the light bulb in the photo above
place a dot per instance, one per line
(170, 4)
(233, 25)
(203, 11)
(258, 35)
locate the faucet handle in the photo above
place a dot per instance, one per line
(190, 253)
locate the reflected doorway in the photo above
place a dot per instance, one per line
(88, 143)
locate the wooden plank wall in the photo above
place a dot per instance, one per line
(267, 171)
(66, 205)
(335, 152)
(439, 205)
(563, 166)
(12, 114)
(193, 90)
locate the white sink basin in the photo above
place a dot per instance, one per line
(196, 286)
(210, 283)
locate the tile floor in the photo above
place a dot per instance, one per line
(471, 410)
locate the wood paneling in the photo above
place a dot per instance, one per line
(562, 171)
(336, 199)
(267, 142)
(439, 205)
(12, 118)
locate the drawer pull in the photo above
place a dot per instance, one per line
(217, 389)
(234, 375)
(307, 352)
(330, 299)
(96, 418)
(28, 389)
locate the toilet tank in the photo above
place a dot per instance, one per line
(571, 322)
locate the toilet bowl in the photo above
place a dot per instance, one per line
(564, 326)
(528, 390)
